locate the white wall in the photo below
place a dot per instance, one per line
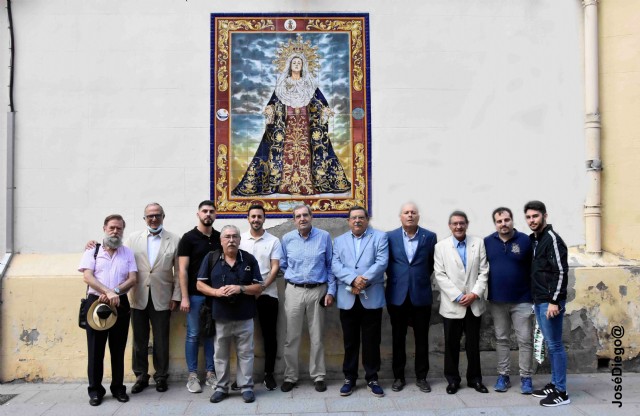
(475, 104)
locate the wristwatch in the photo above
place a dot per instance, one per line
(242, 289)
(116, 290)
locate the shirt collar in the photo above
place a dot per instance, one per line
(456, 241)
(157, 235)
(361, 236)
(404, 233)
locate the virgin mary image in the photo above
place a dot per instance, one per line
(295, 155)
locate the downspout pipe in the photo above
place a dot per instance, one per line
(593, 200)
(10, 213)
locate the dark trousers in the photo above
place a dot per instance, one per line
(420, 317)
(96, 345)
(356, 322)
(160, 322)
(453, 329)
(268, 317)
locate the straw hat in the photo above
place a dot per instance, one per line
(101, 316)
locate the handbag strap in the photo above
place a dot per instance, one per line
(95, 257)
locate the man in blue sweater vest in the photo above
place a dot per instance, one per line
(509, 255)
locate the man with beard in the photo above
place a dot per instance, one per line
(549, 272)
(233, 280)
(509, 256)
(109, 273)
(193, 248)
(155, 295)
(409, 295)
(267, 250)
(311, 286)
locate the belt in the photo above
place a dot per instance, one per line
(305, 285)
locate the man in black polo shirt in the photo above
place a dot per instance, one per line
(193, 247)
(233, 279)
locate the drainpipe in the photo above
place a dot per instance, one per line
(4, 265)
(593, 200)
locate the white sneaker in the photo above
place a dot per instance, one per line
(212, 379)
(193, 384)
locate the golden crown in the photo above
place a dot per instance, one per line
(297, 47)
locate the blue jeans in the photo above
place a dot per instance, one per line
(193, 335)
(552, 332)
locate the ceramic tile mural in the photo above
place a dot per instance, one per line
(290, 113)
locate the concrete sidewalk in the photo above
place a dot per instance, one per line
(591, 394)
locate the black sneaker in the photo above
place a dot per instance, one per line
(555, 398)
(545, 391)
(269, 382)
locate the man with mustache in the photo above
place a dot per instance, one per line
(311, 286)
(233, 280)
(109, 273)
(510, 303)
(193, 248)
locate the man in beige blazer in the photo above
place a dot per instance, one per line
(155, 295)
(461, 271)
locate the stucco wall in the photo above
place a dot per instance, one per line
(469, 99)
(620, 101)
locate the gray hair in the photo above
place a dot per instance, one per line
(300, 206)
(154, 204)
(236, 229)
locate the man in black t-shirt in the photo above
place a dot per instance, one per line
(193, 248)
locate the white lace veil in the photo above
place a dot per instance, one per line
(296, 93)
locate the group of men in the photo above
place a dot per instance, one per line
(235, 273)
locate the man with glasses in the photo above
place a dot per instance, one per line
(193, 248)
(461, 269)
(360, 258)
(311, 286)
(155, 294)
(233, 280)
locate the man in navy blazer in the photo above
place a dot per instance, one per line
(409, 296)
(360, 258)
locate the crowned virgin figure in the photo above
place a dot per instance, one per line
(295, 155)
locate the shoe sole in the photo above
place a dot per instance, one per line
(503, 390)
(346, 394)
(557, 404)
(218, 400)
(539, 396)
(376, 395)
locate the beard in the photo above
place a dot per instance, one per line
(112, 241)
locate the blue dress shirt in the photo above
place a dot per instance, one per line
(308, 260)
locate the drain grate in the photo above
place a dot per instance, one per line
(6, 397)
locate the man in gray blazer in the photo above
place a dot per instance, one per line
(461, 271)
(359, 260)
(155, 294)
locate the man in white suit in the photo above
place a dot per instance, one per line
(461, 271)
(359, 261)
(155, 294)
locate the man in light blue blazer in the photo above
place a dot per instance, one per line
(409, 296)
(359, 261)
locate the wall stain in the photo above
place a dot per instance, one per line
(29, 337)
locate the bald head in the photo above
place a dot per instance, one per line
(409, 217)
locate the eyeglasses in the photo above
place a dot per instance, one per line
(231, 237)
(152, 217)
